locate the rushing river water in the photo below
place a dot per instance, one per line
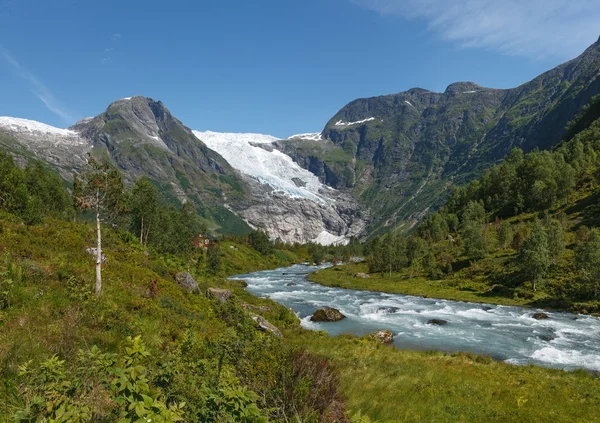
(565, 340)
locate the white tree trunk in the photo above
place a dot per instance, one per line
(99, 248)
(142, 232)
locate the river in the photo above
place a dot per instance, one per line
(567, 341)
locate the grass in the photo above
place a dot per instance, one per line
(457, 289)
(407, 386)
(52, 312)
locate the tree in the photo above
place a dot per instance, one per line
(213, 261)
(587, 258)
(473, 230)
(504, 234)
(99, 188)
(534, 257)
(144, 205)
(260, 242)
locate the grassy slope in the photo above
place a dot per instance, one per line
(472, 280)
(406, 386)
(46, 316)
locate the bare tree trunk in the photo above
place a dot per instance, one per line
(99, 247)
(142, 232)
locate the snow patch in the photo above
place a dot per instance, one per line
(273, 168)
(127, 98)
(316, 136)
(408, 102)
(326, 238)
(25, 125)
(469, 92)
(342, 123)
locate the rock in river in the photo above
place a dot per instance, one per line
(438, 322)
(327, 314)
(540, 316)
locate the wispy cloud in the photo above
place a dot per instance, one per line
(534, 28)
(37, 87)
(115, 37)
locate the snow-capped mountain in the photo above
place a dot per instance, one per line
(241, 173)
(63, 148)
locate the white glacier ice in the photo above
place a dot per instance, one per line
(31, 126)
(274, 168)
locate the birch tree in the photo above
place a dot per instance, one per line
(99, 188)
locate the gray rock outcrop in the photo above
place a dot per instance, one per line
(220, 294)
(187, 282)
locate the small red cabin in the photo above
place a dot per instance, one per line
(204, 241)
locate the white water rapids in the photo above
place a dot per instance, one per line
(565, 340)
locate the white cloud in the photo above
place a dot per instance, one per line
(115, 37)
(37, 87)
(534, 28)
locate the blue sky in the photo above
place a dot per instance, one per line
(271, 66)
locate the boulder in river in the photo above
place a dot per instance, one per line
(547, 338)
(540, 316)
(266, 326)
(383, 336)
(187, 282)
(438, 322)
(388, 310)
(291, 284)
(361, 276)
(218, 293)
(327, 314)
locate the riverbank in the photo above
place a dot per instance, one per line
(456, 288)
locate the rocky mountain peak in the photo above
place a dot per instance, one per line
(463, 87)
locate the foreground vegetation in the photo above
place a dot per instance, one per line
(146, 347)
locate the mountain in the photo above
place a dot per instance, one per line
(255, 185)
(401, 153)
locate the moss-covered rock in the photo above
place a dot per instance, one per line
(327, 314)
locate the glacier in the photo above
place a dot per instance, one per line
(268, 166)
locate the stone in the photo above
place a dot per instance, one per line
(242, 283)
(547, 338)
(187, 282)
(327, 314)
(438, 322)
(266, 326)
(291, 284)
(384, 336)
(388, 310)
(218, 293)
(540, 316)
(362, 276)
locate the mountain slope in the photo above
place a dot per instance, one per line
(140, 137)
(401, 152)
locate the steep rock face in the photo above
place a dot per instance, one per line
(143, 138)
(400, 154)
